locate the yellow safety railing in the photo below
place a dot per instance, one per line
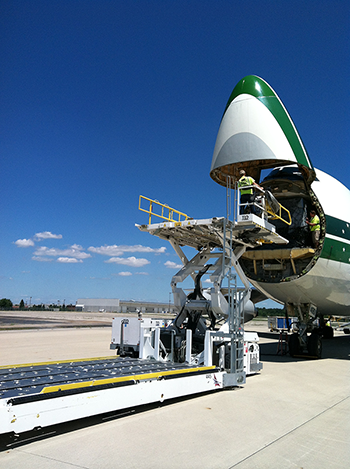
(162, 211)
(278, 215)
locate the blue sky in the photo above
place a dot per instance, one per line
(102, 101)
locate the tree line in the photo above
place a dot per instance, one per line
(7, 305)
(264, 312)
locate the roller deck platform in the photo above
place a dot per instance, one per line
(249, 230)
(43, 394)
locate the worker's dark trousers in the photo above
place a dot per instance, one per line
(245, 199)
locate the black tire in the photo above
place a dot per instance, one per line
(314, 345)
(294, 345)
(327, 332)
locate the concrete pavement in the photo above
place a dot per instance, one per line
(294, 414)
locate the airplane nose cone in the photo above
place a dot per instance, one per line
(256, 133)
(251, 85)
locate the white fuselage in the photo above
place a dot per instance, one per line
(327, 284)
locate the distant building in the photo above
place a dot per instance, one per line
(97, 304)
(120, 306)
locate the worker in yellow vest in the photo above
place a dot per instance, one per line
(314, 224)
(246, 195)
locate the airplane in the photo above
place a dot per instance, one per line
(256, 133)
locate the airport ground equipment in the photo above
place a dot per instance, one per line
(345, 328)
(139, 337)
(126, 333)
(45, 394)
(203, 349)
(40, 395)
(281, 323)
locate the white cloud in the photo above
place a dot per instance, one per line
(68, 260)
(130, 261)
(141, 273)
(100, 278)
(172, 265)
(77, 246)
(75, 251)
(116, 250)
(107, 250)
(124, 274)
(140, 248)
(41, 259)
(24, 243)
(46, 235)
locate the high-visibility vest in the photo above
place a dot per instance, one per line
(316, 220)
(246, 181)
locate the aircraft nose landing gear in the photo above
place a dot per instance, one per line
(300, 343)
(308, 346)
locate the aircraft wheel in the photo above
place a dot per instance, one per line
(294, 345)
(314, 345)
(327, 332)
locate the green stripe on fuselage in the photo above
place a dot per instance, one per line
(335, 250)
(337, 227)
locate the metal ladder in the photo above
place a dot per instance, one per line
(236, 325)
(235, 297)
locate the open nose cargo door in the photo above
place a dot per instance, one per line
(256, 133)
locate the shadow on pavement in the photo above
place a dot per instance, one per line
(270, 350)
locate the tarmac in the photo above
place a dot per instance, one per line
(294, 414)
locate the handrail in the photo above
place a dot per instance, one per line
(166, 213)
(278, 216)
(274, 214)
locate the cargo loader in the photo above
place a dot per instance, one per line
(203, 349)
